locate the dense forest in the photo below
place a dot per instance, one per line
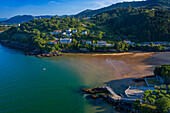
(136, 24)
(148, 4)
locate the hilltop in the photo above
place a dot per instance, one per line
(148, 4)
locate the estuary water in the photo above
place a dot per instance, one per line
(25, 87)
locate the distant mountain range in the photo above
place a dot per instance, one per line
(3, 19)
(149, 4)
(22, 18)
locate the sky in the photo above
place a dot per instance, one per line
(10, 8)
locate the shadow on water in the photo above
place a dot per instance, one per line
(119, 86)
(11, 50)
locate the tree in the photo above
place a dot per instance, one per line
(144, 99)
(151, 100)
(151, 44)
(136, 104)
(163, 104)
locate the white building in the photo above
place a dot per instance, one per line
(68, 30)
(69, 35)
(74, 31)
(101, 43)
(127, 41)
(63, 33)
(84, 32)
(87, 42)
(65, 40)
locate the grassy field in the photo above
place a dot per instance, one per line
(153, 82)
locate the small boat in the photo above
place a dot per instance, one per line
(44, 69)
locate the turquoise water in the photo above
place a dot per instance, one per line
(26, 88)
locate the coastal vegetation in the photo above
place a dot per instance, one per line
(4, 27)
(163, 71)
(112, 26)
(157, 100)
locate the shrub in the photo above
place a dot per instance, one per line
(163, 86)
(164, 92)
(149, 91)
(157, 87)
(146, 94)
(153, 96)
(156, 92)
(151, 100)
(167, 95)
(144, 99)
(168, 87)
(160, 95)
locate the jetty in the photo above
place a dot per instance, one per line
(115, 97)
(113, 94)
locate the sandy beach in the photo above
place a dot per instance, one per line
(117, 69)
(135, 66)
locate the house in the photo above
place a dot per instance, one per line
(86, 18)
(53, 42)
(56, 32)
(63, 33)
(69, 35)
(101, 43)
(84, 32)
(65, 40)
(74, 31)
(1, 32)
(68, 30)
(87, 42)
(127, 41)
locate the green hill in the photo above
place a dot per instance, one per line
(149, 4)
(136, 24)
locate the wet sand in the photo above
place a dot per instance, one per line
(117, 69)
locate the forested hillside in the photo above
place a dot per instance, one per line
(136, 24)
(148, 4)
(113, 26)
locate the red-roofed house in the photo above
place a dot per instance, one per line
(53, 42)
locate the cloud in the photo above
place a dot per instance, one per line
(53, 3)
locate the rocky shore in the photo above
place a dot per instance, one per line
(29, 48)
(40, 54)
(103, 93)
(95, 90)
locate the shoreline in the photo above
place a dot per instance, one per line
(108, 54)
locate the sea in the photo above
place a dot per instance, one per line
(51, 85)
